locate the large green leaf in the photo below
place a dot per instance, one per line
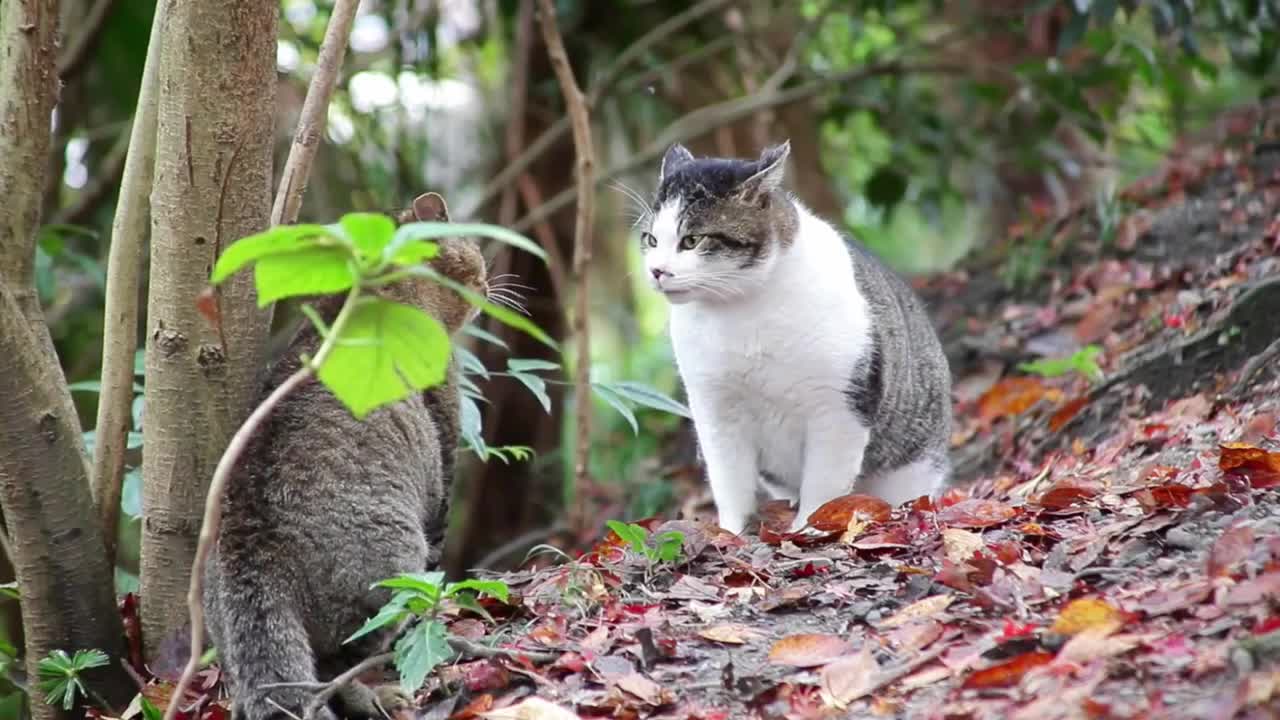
(502, 314)
(428, 584)
(604, 393)
(642, 394)
(370, 233)
(537, 386)
(435, 230)
(287, 238)
(386, 351)
(309, 271)
(492, 588)
(419, 652)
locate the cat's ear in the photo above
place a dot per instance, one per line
(676, 156)
(770, 171)
(430, 207)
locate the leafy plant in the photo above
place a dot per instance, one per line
(382, 350)
(59, 675)
(1082, 361)
(418, 597)
(664, 548)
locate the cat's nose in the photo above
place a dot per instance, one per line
(658, 273)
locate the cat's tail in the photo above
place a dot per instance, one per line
(261, 641)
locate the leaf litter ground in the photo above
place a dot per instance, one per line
(1111, 550)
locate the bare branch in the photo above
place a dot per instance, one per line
(124, 271)
(73, 58)
(580, 118)
(315, 108)
(608, 77)
(706, 119)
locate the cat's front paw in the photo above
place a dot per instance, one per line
(358, 701)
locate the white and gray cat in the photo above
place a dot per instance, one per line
(812, 370)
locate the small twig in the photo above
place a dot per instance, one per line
(315, 108)
(466, 648)
(213, 501)
(580, 118)
(530, 538)
(124, 271)
(343, 680)
(77, 52)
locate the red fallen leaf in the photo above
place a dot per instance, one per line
(1261, 467)
(1266, 626)
(1007, 553)
(1037, 530)
(1064, 414)
(1230, 548)
(1164, 496)
(1013, 630)
(808, 650)
(571, 662)
(923, 504)
(954, 496)
(132, 630)
(1253, 591)
(1062, 497)
(976, 514)
(481, 704)
(835, 515)
(1013, 396)
(207, 306)
(1174, 320)
(1007, 673)
(810, 570)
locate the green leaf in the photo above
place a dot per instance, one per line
(492, 588)
(472, 425)
(393, 612)
(1082, 361)
(633, 535)
(415, 253)
(9, 590)
(482, 334)
(434, 230)
(527, 364)
(149, 711)
(428, 584)
(386, 351)
(310, 271)
(471, 363)
(419, 652)
(469, 602)
(281, 239)
(537, 386)
(87, 659)
(642, 394)
(369, 232)
(604, 393)
(502, 314)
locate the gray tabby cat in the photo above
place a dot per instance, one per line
(321, 506)
(812, 370)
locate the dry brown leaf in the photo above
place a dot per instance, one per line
(730, 633)
(1012, 396)
(1097, 642)
(975, 513)
(1231, 548)
(534, 708)
(918, 610)
(842, 513)
(642, 687)
(849, 678)
(960, 544)
(1009, 672)
(808, 650)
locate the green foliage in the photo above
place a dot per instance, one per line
(9, 590)
(382, 351)
(664, 548)
(60, 679)
(1082, 361)
(418, 598)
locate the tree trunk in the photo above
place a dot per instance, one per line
(212, 186)
(56, 544)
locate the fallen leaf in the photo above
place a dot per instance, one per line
(960, 545)
(1095, 643)
(1007, 673)
(534, 708)
(730, 633)
(1165, 496)
(1230, 548)
(849, 678)
(474, 708)
(1253, 591)
(836, 515)
(976, 514)
(1084, 613)
(808, 650)
(917, 610)
(642, 687)
(1261, 467)
(1062, 497)
(1012, 396)
(1068, 411)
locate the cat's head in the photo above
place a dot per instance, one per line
(459, 259)
(716, 226)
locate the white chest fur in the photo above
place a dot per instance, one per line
(763, 371)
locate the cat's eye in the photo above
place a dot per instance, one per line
(689, 242)
(648, 240)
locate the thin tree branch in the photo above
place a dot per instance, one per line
(708, 118)
(580, 117)
(315, 108)
(519, 98)
(73, 58)
(124, 271)
(511, 546)
(212, 520)
(608, 77)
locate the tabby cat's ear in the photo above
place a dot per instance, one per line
(676, 156)
(430, 207)
(770, 170)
